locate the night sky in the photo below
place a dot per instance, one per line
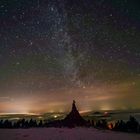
(54, 51)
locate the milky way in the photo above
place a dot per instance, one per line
(54, 51)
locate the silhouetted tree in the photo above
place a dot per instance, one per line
(101, 124)
(132, 125)
(40, 123)
(7, 124)
(92, 123)
(1, 123)
(32, 123)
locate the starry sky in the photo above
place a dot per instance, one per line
(54, 51)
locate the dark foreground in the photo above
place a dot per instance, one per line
(64, 134)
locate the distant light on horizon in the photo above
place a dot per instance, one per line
(55, 116)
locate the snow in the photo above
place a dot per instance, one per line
(64, 134)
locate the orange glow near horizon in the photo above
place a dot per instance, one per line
(90, 98)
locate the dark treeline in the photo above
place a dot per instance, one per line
(19, 124)
(131, 125)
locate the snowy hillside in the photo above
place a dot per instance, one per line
(64, 134)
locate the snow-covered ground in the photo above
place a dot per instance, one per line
(64, 134)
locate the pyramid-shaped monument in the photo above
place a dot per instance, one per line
(74, 118)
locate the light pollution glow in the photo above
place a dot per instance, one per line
(98, 97)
